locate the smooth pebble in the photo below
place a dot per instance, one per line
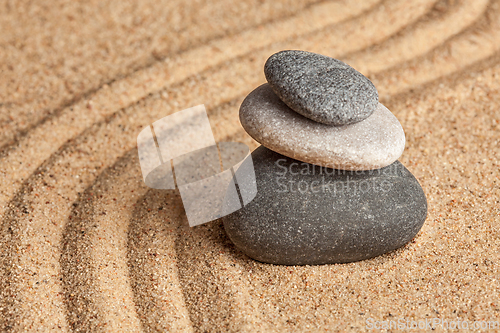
(372, 143)
(321, 88)
(305, 214)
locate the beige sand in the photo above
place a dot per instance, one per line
(86, 246)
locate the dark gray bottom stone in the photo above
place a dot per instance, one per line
(305, 214)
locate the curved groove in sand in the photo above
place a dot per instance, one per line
(93, 256)
(474, 45)
(95, 244)
(11, 136)
(360, 33)
(79, 278)
(152, 263)
(415, 41)
(44, 140)
(50, 185)
(216, 302)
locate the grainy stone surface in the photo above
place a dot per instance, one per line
(321, 88)
(305, 214)
(370, 144)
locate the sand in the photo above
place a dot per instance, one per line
(86, 246)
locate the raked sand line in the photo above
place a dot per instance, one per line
(78, 276)
(156, 299)
(152, 263)
(476, 44)
(354, 35)
(44, 140)
(93, 255)
(215, 285)
(159, 307)
(119, 248)
(41, 226)
(76, 75)
(416, 41)
(220, 76)
(122, 182)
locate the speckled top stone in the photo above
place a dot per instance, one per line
(321, 88)
(370, 144)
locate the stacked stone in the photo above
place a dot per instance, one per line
(330, 188)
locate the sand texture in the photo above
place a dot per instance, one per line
(85, 246)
